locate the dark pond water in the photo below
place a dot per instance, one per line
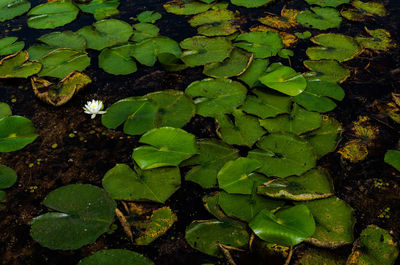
(86, 157)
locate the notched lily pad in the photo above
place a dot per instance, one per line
(93, 6)
(250, 4)
(148, 17)
(326, 70)
(17, 66)
(392, 157)
(329, 3)
(313, 256)
(371, 7)
(186, 7)
(10, 9)
(52, 15)
(116, 257)
(10, 45)
(262, 43)
(216, 22)
(380, 40)
(15, 133)
(117, 60)
(8, 177)
(321, 18)
(256, 69)
(286, 20)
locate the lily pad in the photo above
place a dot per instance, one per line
(10, 9)
(256, 69)
(16, 132)
(57, 94)
(206, 236)
(216, 96)
(213, 154)
(148, 17)
(321, 256)
(326, 70)
(144, 31)
(354, 151)
(288, 227)
(116, 257)
(250, 4)
(82, 211)
(8, 177)
(138, 115)
(117, 60)
(217, 22)
(283, 155)
(262, 44)
(122, 183)
(245, 130)
(186, 7)
(10, 45)
(286, 20)
(105, 12)
(334, 47)
(325, 3)
(321, 18)
(380, 40)
(175, 109)
(52, 15)
(106, 33)
(93, 6)
(284, 79)
(374, 247)
(169, 147)
(5, 110)
(201, 50)
(370, 7)
(392, 157)
(297, 122)
(17, 66)
(314, 184)
(335, 221)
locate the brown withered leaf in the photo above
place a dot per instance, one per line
(286, 20)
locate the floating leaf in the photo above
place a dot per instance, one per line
(10, 45)
(201, 50)
(303, 35)
(10, 9)
(380, 40)
(375, 246)
(115, 257)
(238, 176)
(211, 204)
(284, 79)
(122, 183)
(144, 31)
(148, 17)
(206, 236)
(370, 7)
(257, 68)
(321, 256)
(59, 93)
(5, 110)
(94, 6)
(283, 155)
(245, 130)
(287, 19)
(8, 177)
(354, 14)
(186, 7)
(392, 157)
(15, 133)
(320, 18)
(333, 46)
(314, 184)
(105, 12)
(117, 60)
(82, 211)
(17, 66)
(52, 15)
(326, 70)
(250, 4)
(262, 44)
(330, 3)
(217, 22)
(169, 147)
(106, 33)
(354, 151)
(213, 154)
(288, 227)
(216, 96)
(335, 221)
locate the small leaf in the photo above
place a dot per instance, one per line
(186, 7)
(148, 17)
(321, 18)
(10, 9)
(8, 177)
(392, 157)
(117, 60)
(10, 45)
(52, 15)
(115, 257)
(326, 70)
(17, 66)
(250, 4)
(15, 133)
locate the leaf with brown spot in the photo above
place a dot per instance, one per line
(286, 20)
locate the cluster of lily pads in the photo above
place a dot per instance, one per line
(270, 121)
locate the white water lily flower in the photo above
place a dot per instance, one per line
(94, 107)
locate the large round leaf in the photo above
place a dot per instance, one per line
(117, 60)
(10, 45)
(262, 44)
(288, 227)
(251, 3)
(7, 177)
(15, 133)
(326, 70)
(320, 18)
(82, 213)
(122, 183)
(282, 155)
(18, 66)
(216, 96)
(10, 9)
(144, 31)
(116, 257)
(52, 14)
(170, 146)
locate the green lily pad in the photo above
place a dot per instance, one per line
(285, 21)
(16, 132)
(321, 18)
(216, 22)
(288, 227)
(169, 147)
(201, 50)
(392, 157)
(186, 7)
(8, 177)
(334, 47)
(371, 7)
(122, 183)
(17, 66)
(325, 3)
(216, 96)
(245, 131)
(105, 12)
(297, 122)
(148, 17)
(262, 43)
(175, 109)
(256, 69)
(116, 257)
(325, 139)
(117, 60)
(266, 104)
(250, 4)
(146, 51)
(82, 211)
(10, 45)
(335, 221)
(61, 62)
(238, 176)
(283, 155)
(5, 110)
(93, 6)
(213, 154)
(380, 40)
(52, 15)
(285, 53)
(314, 184)
(303, 35)
(317, 95)
(284, 79)
(374, 247)
(354, 14)
(137, 114)
(206, 236)
(10, 9)
(106, 33)
(144, 31)
(314, 256)
(326, 70)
